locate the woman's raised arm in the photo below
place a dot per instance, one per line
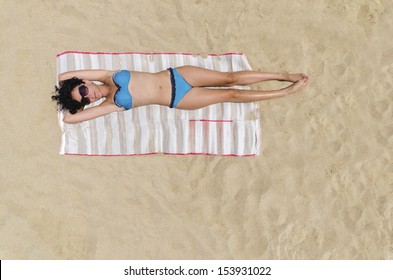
(91, 113)
(92, 75)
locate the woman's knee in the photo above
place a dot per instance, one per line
(231, 78)
(233, 95)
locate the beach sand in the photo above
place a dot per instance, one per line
(322, 187)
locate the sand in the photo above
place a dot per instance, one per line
(322, 187)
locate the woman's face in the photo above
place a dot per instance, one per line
(88, 90)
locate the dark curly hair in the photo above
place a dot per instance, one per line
(64, 98)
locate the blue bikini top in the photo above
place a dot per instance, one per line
(123, 97)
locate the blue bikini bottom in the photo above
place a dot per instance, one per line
(180, 87)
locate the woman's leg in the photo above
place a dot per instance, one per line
(201, 77)
(200, 97)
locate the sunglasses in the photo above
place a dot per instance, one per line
(83, 90)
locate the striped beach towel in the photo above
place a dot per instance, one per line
(227, 129)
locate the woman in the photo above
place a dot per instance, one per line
(184, 88)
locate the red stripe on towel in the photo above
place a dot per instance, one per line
(147, 53)
(148, 154)
(203, 120)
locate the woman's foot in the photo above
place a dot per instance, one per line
(294, 77)
(298, 85)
